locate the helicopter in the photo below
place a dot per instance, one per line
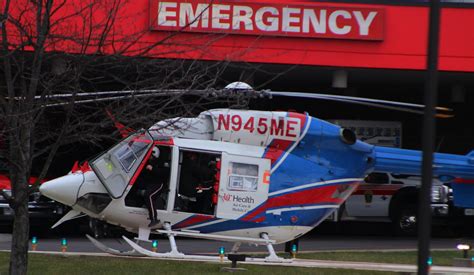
(271, 176)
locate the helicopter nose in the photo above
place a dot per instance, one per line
(63, 189)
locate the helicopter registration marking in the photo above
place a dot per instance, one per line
(283, 126)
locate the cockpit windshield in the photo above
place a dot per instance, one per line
(116, 167)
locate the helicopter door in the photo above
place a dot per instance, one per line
(116, 167)
(244, 184)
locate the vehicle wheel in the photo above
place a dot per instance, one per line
(341, 213)
(405, 220)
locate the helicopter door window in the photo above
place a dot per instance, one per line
(243, 177)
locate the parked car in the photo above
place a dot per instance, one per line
(42, 210)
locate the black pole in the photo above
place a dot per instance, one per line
(429, 134)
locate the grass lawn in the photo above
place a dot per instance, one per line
(405, 257)
(56, 264)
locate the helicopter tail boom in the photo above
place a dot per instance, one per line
(403, 161)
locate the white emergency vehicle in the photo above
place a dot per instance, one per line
(384, 197)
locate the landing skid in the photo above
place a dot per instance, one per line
(172, 254)
(112, 251)
(138, 250)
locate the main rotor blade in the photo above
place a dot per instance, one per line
(379, 103)
(109, 98)
(119, 95)
(105, 93)
(90, 97)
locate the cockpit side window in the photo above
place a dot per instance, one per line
(94, 202)
(129, 153)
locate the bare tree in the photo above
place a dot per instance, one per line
(55, 52)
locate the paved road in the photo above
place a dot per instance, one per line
(310, 243)
(362, 236)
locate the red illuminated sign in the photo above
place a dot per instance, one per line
(290, 20)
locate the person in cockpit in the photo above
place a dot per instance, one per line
(155, 180)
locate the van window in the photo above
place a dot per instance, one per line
(378, 178)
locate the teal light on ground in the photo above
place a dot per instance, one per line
(154, 243)
(294, 248)
(221, 250)
(34, 240)
(430, 260)
(63, 242)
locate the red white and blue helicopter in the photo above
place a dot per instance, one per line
(271, 176)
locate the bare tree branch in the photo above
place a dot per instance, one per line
(52, 47)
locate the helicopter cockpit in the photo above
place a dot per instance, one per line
(199, 176)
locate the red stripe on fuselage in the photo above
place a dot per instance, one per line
(193, 220)
(318, 195)
(278, 147)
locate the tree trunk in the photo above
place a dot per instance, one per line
(21, 228)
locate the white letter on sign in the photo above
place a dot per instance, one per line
(188, 16)
(333, 22)
(242, 14)
(273, 26)
(309, 16)
(163, 13)
(288, 19)
(364, 24)
(217, 16)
